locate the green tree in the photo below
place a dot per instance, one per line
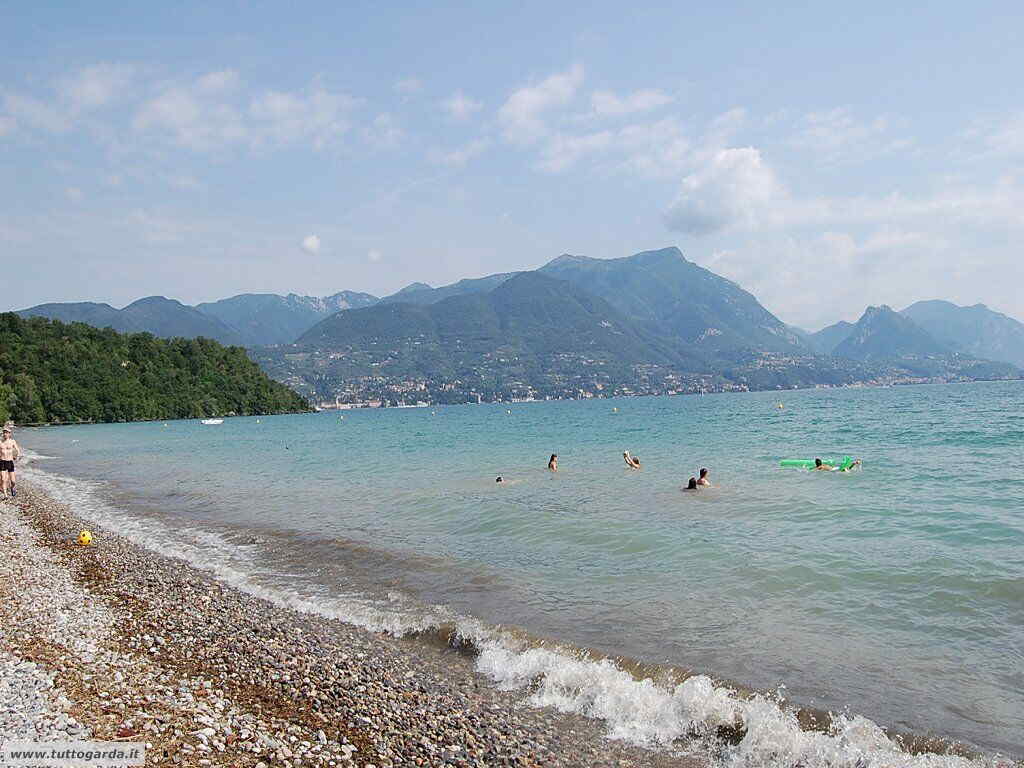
(57, 372)
(27, 407)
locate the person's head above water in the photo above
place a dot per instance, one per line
(554, 457)
(692, 485)
(703, 472)
(499, 479)
(817, 462)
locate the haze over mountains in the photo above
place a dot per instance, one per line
(266, 318)
(925, 328)
(162, 317)
(530, 321)
(654, 310)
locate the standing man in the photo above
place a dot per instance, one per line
(9, 453)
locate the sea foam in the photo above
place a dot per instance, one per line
(682, 719)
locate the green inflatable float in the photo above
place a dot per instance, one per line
(842, 464)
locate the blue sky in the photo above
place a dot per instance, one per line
(825, 158)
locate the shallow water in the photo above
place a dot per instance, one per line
(896, 592)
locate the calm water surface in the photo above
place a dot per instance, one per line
(896, 592)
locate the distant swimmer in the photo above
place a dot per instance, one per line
(704, 478)
(818, 464)
(856, 463)
(633, 462)
(10, 452)
(499, 479)
(692, 485)
(553, 462)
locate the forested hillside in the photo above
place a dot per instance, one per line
(56, 372)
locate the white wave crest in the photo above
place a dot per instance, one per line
(641, 712)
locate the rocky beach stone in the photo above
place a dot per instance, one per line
(112, 641)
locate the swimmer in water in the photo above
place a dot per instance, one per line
(633, 462)
(692, 485)
(819, 465)
(704, 478)
(856, 463)
(499, 479)
(553, 462)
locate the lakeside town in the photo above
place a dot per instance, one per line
(772, 373)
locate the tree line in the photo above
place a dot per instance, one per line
(54, 372)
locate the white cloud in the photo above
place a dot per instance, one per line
(721, 131)
(311, 244)
(207, 114)
(458, 158)
(656, 149)
(838, 135)
(218, 82)
(606, 103)
(734, 188)
(459, 106)
(563, 151)
(1008, 137)
(192, 117)
(408, 86)
(21, 110)
(94, 87)
(315, 115)
(384, 131)
(523, 113)
(73, 96)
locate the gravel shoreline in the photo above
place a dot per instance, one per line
(115, 642)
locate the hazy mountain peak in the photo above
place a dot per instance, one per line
(415, 287)
(154, 301)
(566, 259)
(976, 330)
(672, 253)
(882, 333)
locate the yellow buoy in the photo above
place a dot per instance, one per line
(85, 538)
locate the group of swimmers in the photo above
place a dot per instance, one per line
(633, 462)
(694, 483)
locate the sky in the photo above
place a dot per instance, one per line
(824, 156)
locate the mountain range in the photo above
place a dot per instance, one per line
(925, 328)
(265, 318)
(528, 323)
(162, 317)
(653, 314)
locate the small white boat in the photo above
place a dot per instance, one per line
(213, 421)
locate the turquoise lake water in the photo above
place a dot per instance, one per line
(895, 592)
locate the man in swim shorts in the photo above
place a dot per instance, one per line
(9, 453)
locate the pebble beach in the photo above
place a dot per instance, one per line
(113, 642)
